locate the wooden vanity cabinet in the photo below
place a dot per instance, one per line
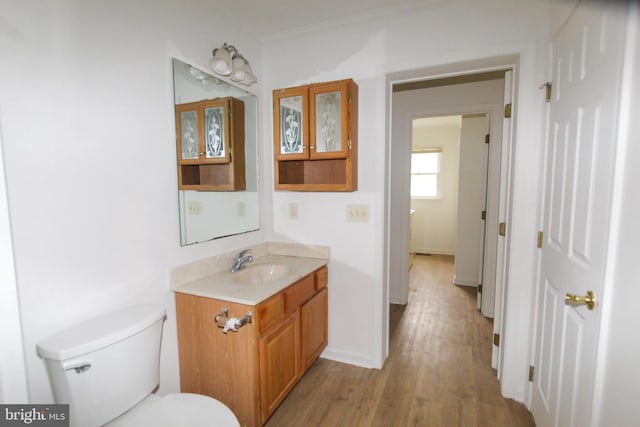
(210, 145)
(254, 369)
(316, 137)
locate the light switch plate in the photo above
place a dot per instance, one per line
(242, 209)
(293, 210)
(194, 208)
(358, 213)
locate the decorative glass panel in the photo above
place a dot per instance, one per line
(214, 132)
(291, 139)
(328, 122)
(189, 130)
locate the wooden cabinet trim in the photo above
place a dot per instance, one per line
(321, 277)
(296, 294)
(270, 311)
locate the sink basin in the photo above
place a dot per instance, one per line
(262, 273)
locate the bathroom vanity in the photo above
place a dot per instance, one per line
(282, 304)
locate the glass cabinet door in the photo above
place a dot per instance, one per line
(188, 134)
(328, 105)
(202, 130)
(291, 124)
(215, 133)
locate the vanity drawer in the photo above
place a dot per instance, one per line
(298, 293)
(321, 277)
(270, 312)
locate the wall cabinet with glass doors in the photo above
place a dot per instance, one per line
(210, 137)
(316, 137)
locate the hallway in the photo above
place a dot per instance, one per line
(438, 372)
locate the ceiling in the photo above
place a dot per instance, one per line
(268, 18)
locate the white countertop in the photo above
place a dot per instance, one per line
(228, 286)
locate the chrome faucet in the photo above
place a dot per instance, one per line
(240, 260)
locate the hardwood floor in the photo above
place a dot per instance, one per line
(438, 372)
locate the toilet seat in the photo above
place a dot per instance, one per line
(177, 410)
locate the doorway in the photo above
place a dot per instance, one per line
(482, 91)
(449, 163)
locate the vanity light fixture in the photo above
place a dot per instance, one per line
(227, 61)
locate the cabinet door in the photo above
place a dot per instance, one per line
(328, 110)
(279, 364)
(188, 131)
(314, 327)
(291, 123)
(202, 130)
(216, 131)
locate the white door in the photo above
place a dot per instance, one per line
(483, 215)
(579, 161)
(493, 301)
(472, 173)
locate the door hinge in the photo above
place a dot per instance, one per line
(483, 215)
(480, 288)
(540, 238)
(502, 228)
(349, 143)
(349, 97)
(507, 111)
(548, 90)
(487, 138)
(531, 373)
(496, 340)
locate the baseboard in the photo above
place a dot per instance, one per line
(349, 358)
(465, 282)
(434, 252)
(397, 301)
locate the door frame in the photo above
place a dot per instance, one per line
(510, 355)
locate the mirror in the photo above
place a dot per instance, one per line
(207, 215)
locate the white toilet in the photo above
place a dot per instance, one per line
(106, 369)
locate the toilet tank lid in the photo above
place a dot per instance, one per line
(99, 332)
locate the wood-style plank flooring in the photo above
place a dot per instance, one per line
(438, 372)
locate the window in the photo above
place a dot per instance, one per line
(425, 171)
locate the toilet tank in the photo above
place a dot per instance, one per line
(106, 365)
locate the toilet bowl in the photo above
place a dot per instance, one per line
(107, 368)
(177, 410)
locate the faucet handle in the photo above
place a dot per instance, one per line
(243, 253)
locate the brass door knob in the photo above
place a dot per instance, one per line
(589, 300)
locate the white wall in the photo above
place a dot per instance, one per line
(13, 378)
(471, 200)
(87, 119)
(368, 50)
(86, 104)
(617, 376)
(434, 220)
